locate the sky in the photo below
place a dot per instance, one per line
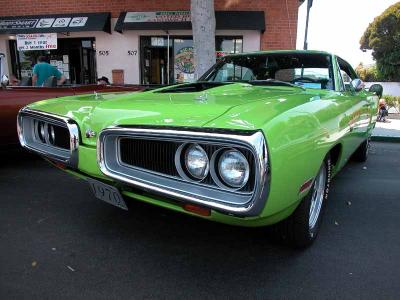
(337, 26)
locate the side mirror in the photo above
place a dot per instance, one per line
(357, 84)
(377, 89)
(4, 80)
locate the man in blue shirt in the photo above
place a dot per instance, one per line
(43, 70)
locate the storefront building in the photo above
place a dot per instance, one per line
(140, 42)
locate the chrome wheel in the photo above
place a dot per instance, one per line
(317, 197)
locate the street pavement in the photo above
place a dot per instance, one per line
(390, 128)
(58, 242)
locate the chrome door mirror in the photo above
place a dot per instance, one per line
(377, 89)
(357, 84)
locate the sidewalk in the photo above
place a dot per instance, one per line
(388, 131)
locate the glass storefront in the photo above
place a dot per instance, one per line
(74, 57)
(167, 60)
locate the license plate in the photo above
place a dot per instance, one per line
(107, 193)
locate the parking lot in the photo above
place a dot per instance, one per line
(58, 241)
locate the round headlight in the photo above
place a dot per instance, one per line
(196, 161)
(41, 131)
(52, 135)
(234, 168)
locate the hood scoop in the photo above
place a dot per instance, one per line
(192, 87)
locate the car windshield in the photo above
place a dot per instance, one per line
(308, 70)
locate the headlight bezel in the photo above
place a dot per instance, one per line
(27, 133)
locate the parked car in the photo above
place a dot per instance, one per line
(255, 142)
(13, 98)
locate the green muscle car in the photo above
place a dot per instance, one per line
(254, 142)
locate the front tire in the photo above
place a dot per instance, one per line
(361, 154)
(302, 227)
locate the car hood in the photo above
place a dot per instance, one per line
(234, 106)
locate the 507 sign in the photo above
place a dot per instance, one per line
(132, 52)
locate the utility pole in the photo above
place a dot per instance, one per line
(309, 4)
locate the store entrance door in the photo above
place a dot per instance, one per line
(156, 65)
(154, 60)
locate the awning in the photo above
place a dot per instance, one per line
(170, 20)
(56, 23)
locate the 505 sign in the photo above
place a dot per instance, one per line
(104, 52)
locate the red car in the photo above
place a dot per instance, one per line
(12, 99)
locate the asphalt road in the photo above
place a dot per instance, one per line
(57, 241)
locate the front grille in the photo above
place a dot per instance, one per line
(152, 155)
(159, 156)
(152, 161)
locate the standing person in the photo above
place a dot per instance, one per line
(43, 70)
(383, 112)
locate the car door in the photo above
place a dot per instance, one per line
(358, 116)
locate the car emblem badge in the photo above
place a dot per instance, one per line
(202, 98)
(90, 133)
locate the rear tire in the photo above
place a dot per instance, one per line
(361, 154)
(302, 227)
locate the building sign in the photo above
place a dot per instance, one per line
(18, 24)
(43, 23)
(157, 16)
(36, 41)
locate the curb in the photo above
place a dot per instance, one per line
(389, 139)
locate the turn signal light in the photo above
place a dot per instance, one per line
(198, 210)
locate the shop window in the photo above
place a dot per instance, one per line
(228, 45)
(167, 61)
(75, 58)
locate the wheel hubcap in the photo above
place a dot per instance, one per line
(317, 197)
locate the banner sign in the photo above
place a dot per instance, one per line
(36, 41)
(157, 16)
(43, 23)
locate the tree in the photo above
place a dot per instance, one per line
(203, 26)
(368, 73)
(383, 37)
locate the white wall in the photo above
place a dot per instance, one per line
(118, 46)
(389, 88)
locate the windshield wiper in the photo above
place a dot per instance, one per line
(273, 82)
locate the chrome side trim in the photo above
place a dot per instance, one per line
(68, 157)
(255, 142)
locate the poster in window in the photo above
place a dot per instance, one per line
(184, 64)
(59, 64)
(65, 59)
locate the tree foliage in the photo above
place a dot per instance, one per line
(368, 73)
(383, 37)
